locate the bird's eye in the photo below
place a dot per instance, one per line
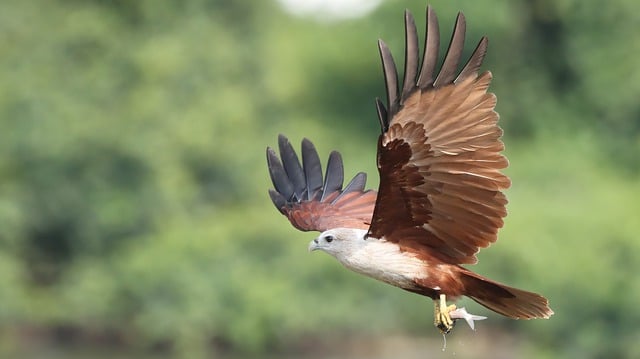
(329, 239)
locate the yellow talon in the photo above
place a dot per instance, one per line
(442, 319)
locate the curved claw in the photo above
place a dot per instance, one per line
(442, 316)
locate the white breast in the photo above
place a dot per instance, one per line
(384, 261)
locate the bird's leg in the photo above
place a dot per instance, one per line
(442, 319)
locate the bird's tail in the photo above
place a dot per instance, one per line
(508, 301)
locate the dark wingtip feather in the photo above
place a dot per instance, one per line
(475, 61)
(334, 175)
(382, 115)
(454, 53)
(431, 50)
(312, 169)
(357, 184)
(278, 200)
(278, 175)
(411, 55)
(390, 78)
(292, 165)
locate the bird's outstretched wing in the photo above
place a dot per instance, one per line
(439, 152)
(311, 203)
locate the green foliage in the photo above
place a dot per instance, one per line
(133, 182)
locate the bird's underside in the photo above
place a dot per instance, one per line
(387, 262)
(440, 198)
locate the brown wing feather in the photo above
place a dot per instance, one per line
(311, 203)
(439, 158)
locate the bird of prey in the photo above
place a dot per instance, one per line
(440, 196)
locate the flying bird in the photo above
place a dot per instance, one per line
(440, 197)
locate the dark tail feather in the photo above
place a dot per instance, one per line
(508, 301)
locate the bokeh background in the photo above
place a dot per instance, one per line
(134, 215)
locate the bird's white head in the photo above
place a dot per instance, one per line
(339, 241)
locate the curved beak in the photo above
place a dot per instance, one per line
(313, 245)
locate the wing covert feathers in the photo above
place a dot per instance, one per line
(439, 152)
(310, 202)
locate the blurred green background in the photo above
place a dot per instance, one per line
(134, 215)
